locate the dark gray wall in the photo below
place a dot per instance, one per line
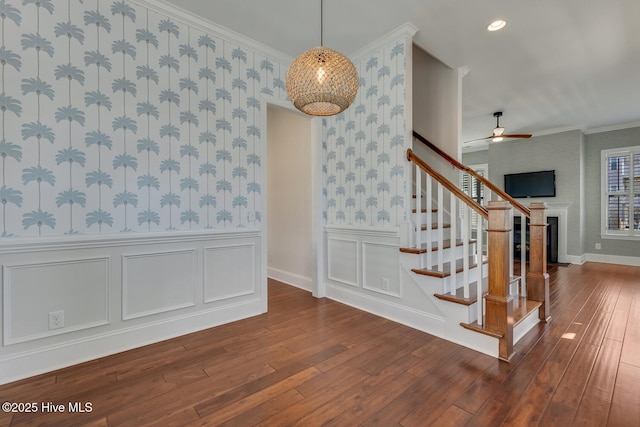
(560, 152)
(576, 160)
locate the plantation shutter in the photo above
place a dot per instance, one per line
(622, 192)
(474, 189)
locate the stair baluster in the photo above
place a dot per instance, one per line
(479, 255)
(418, 217)
(453, 257)
(429, 221)
(440, 229)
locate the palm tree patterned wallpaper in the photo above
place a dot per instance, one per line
(365, 146)
(117, 118)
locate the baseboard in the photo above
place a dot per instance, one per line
(421, 321)
(293, 279)
(613, 259)
(572, 259)
(424, 322)
(45, 359)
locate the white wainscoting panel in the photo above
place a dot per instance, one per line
(120, 292)
(230, 271)
(381, 272)
(343, 261)
(157, 282)
(78, 287)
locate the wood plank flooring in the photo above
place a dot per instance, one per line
(311, 362)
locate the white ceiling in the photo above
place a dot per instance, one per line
(557, 65)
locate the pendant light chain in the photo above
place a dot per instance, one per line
(321, 22)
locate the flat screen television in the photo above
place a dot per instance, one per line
(530, 184)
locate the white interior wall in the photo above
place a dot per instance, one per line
(289, 200)
(436, 108)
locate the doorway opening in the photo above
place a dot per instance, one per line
(290, 199)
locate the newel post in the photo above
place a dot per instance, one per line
(537, 276)
(499, 302)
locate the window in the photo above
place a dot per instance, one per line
(621, 192)
(474, 188)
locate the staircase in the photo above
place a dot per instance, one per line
(460, 254)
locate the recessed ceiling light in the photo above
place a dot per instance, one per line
(497, 25)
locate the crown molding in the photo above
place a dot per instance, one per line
(165, 8)
(405, 30)
(609, 128)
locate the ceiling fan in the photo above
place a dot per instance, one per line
(498, 132)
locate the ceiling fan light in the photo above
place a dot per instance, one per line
(497, 25)
(497, 139)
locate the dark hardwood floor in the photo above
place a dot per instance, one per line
(311, 362)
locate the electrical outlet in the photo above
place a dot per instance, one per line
(251, 216)
(56, 319)
(598, 246)
(385, 284)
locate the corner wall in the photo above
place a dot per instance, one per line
(436, 110)
(133, 178)
(368, 189)
(576, 159)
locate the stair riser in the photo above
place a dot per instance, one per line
(473, 277)
(446, 233)
(426, 217)
(446, 253)
(461, 313)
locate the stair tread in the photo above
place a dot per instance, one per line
(434, 226)
(482, 329)
(446, 268)
(525, 307)
(424, 210)
(446, 244)
(458, 296)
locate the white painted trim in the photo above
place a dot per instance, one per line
(127, 257)
(387, 232)
(165, 8)
(317, 223)
(49, 358)
(560, 210)
(407, 236)
(609, 128)
(102, 241)
(7, 309)
(319, 286)
(330, 275)
(408, 316)
(605, 233)
(293, 279)
(252, 268)
(364, 269)
(613, 259)
(574, 259)
(406, 30)
(525, 325)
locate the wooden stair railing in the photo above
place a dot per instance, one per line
(497, 318)
(500, 194)
(490, 185)
(538, 237)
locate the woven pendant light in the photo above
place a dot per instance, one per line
(321, 81)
